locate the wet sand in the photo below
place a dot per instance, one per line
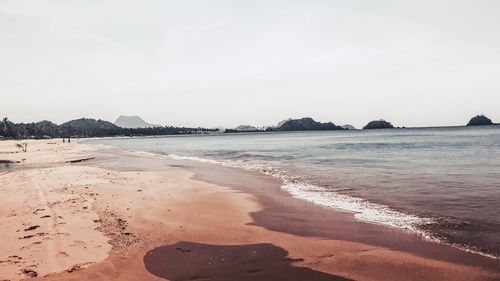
(264, 262)
(124, 215)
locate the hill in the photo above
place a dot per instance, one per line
(133, 122)
(479, 120)
(90, 128)
(304, 124)
(348, 127)
(245, 128)
(378, 124)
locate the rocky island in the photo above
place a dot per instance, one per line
(305, 124)
(348, 127)
(480, 120)
(378, 124)
(244, 129)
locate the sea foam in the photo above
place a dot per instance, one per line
(363, 210)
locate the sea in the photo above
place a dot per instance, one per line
(441, 182)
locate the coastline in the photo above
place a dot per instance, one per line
(137, 203)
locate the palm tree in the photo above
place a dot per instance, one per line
(4, 127)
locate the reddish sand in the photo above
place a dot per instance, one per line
(122, 215)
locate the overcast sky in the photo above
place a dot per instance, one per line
(211, 63)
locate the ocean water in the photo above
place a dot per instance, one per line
(442, 182)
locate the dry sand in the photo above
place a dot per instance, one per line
(104, 219)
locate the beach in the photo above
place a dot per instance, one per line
(84, 212)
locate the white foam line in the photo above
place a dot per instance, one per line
(362, 209)
(194, 158)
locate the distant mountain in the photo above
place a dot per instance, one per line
(304, 124)
(220, 129)
(245, 128)
(130, 122)
(90, 128)
(378, 124)
(480, 120)
(283, 122)
(348, 127)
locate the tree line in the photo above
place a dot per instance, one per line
(82, 128)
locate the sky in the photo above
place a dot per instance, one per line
(226, 63)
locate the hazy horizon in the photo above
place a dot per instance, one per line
(227, 63)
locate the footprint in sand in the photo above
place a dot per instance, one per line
(78, 243)
(63, 254)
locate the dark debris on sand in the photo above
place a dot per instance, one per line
(30, 272)
(32, 228)
(116, 229)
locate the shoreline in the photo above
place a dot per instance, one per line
(144, 203)
(423, 233)
(202, 167)
(387, 236)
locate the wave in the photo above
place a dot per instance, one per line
(363, 210)
(194, 158)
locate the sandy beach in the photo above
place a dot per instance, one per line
(81, 212)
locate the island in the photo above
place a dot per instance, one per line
(243, 129)
(348, 127)
(304, 124)
(378, 124)
(480, 120)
